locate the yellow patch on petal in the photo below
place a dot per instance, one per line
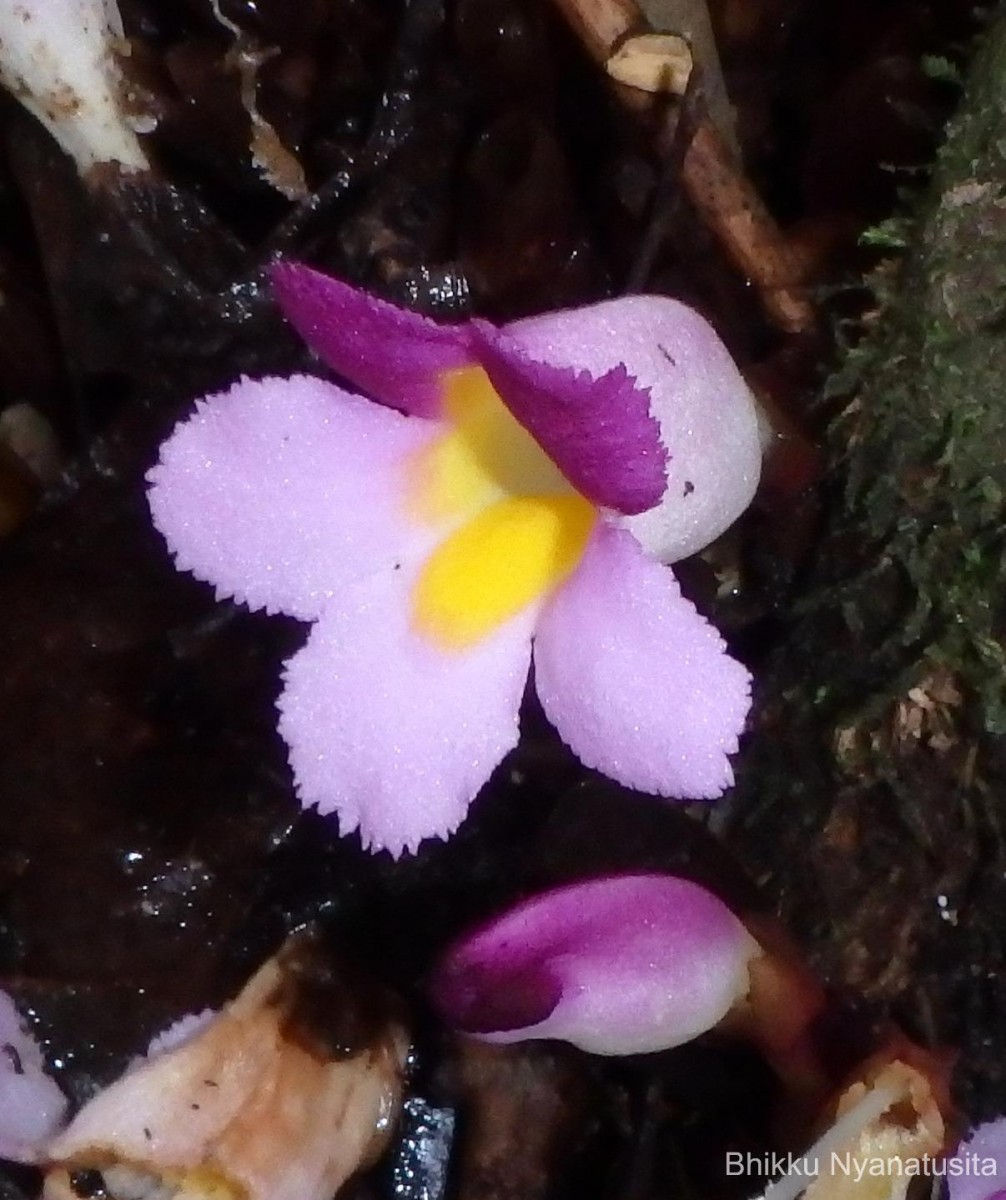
(485, 456)
(519, 527)
(514, 552)
(209, 1184)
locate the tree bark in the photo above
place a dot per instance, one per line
(872, 799)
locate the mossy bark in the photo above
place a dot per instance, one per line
(872, 801)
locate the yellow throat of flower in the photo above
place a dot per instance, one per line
(517, 527)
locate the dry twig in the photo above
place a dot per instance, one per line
(711, 176)
(734, 211)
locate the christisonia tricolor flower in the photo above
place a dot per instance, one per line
(483, 489)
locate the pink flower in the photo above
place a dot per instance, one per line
(977, 1171)
(32, 1107)
(622, 965)
(483, 490)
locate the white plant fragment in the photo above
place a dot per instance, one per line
(57, 57)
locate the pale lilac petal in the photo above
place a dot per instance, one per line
(707, 417)
(623, 965)
(595, 425)
(389, 353)
(636, 682)
(394, 734)
(32, 1107)
(982, 1177)
(280, 492)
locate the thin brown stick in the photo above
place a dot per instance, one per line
(712, 177)
(602, 24)
(735, 212)
(691, 19)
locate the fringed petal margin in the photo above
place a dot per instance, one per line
(636, 682)
(280, 492)
(596, 428)
(391, 732)
(389, 353)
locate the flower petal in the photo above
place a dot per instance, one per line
(511, 555)
(595, 424)
(707, 417)
(988, 1143)
(281, 491)
(394, 734)
(31, 1105)
(635, 681)
(623, 965)
(389, 353)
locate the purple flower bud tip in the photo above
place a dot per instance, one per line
(621, 965)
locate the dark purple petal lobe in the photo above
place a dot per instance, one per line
(479, 1005)
(388, 353)
(598, 429)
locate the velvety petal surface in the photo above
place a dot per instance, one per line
(622, 965)
(391, 732)
(280, 492)
(389, 353)
(706, 414)
(988, 1141)
(636, 682)
(595, 424)
(32, 1107)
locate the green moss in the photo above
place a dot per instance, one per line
(940, 69)
(891, 234)
(915, 562)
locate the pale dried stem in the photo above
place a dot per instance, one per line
(602, 24)
(278, 166)
(245, 1104)
(884, 1125)
(58, 59)
(691, 19)
(711, 176)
